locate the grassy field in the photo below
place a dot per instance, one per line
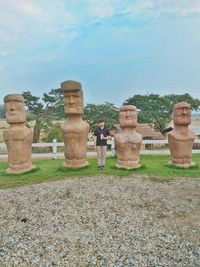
(153, 167)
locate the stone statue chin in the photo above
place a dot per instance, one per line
(18, 138)
(128, 141)
(74, 129)
(181, 138)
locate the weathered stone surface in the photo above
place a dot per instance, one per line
(18, 138)
(74, 129)
(128, 141)
(181, 138)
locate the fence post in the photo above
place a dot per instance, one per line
(54, 146)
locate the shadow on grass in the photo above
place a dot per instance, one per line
(171, 166)
(75, 170)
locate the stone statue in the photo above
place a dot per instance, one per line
(18, 137)
(128, 141)
(181, 138)
(74, 129)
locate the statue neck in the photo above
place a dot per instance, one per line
(128, 130)
(181, 128)
(17, 125)
(75, 118)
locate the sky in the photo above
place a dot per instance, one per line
(115, 48)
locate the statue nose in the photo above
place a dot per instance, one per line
(71, 100)
(185, 111)
(12, 106)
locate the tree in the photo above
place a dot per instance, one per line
(43, 112)
(107, 111)
(54, 133)
(156, 110)
(2, 112)
(55, 102)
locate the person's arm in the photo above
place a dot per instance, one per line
(108, 135)
(95, 141)
(95, 138)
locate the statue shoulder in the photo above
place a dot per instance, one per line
(17, 134)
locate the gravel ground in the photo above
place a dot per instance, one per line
(101, 221)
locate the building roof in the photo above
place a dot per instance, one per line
(145, 130)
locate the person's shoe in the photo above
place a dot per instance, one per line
(99, 167)
(103, 167)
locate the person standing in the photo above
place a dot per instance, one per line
(101, 136)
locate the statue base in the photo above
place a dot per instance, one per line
(75, 164)
(20, 169)
(128, 165)
(183, 166)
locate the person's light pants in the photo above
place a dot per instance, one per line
(101, 155)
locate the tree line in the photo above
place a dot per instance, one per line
(153, 109)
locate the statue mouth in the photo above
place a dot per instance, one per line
(13, 113)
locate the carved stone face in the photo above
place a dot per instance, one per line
(182, 114)
(128, 116)
(73, 101)
(73, 97)
(15, 109)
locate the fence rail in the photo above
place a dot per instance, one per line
(54, 154)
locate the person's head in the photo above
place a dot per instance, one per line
(73, 97)
(15, 108)
(128, 116)
(101, 123)
(182, 113)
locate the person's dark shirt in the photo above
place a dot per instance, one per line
(98, 133)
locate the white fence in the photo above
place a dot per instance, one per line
(157, 147)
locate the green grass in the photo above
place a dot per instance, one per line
(153, 166)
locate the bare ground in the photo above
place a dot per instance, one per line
(101, 221)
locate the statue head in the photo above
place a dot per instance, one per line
(128, 116)
(181, 114)
(15, 108)
(73, 97)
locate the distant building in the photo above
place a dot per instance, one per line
(147, 132)
(196, 130)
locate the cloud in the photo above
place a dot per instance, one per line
(182, 8)
(139, 8)
(5, 53)
(36, 25)
(101, 9)
(23, 6)
(25, 22)
(155, 8)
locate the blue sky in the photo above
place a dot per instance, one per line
(115, 48)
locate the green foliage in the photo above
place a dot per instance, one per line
(55, 102)
(2, 112)
(54, 133)
(107, 111)
(157, 110)
(43, 112)
(153, 167)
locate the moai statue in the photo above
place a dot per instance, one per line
(74, 129)
(181, 138)
(18, 137)
(128, 141)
